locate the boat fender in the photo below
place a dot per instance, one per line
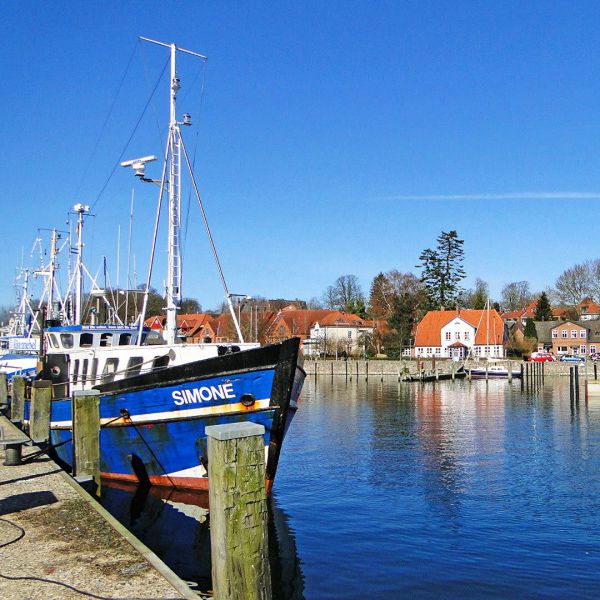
(248, 400)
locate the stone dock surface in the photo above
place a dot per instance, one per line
(57, 542)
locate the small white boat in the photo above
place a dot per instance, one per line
(495, 371)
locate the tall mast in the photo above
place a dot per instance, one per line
(173, 287)
(51, 271)
(81, 210)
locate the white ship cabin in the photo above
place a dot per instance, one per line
(96, 354)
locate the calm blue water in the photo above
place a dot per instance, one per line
(455, 490)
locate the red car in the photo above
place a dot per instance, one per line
(541, 357)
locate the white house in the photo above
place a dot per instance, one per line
(460, 333)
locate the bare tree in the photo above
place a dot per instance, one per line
(574, 284)
(595, 279)
(345, 294)
(516, 295)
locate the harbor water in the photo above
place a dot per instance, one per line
(461, 489)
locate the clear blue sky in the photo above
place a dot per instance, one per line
(324, 137)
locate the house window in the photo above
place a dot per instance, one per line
(573, 333)
(438, 350)
(487, 349)
(592, 349)
(554, 333)
(457, 335)
(349, 334)
(562, 350)
(477, 350)
(582, 348)
(428, 350)
(467, 335)
(582, 333)
(563, 333)
(448, 335)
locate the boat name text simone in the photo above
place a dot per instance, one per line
(222, 391)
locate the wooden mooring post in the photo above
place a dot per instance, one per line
(86, 436)
(39, 414)
(4, 392)
(17, 401)
(238, 512)
(510, 370)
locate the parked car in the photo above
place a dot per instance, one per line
(595, 357)
(541, 357)
(571, 358)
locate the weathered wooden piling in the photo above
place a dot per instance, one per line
(576, 370)
(510, 376)
(39, 414)
(367, 370)
(17, 400)
(3, 392)
(238, 512)
(595, 371)
(86, 435)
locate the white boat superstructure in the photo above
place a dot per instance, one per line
(96, 354)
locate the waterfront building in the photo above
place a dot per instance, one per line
(460, 333)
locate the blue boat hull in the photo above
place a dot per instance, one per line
(153, 426)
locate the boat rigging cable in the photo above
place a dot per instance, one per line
(106, 120)
(118, 162)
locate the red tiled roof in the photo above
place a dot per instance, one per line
(430, 327)
(591, 307)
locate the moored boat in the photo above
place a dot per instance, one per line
(494, 371)
(157, 395)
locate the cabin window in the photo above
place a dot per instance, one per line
(125, 339)
(134, 365)
(106, 339)
(66, 340)
(110, 368)
(94, 371)
(84, 370)
(75, 370)
(160, 362)
(86, 340)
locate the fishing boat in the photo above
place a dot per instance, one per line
(156, 395)
(495, 371)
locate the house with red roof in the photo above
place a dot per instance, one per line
(192, 328)
(588, 310)
(460, 333)
(321, 331)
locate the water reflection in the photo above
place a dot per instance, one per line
(175, 525)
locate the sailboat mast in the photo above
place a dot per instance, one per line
(173, 287)
(52, 269)
(81, 210)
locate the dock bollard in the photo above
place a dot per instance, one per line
(86, 436)
(238, 512)
(39, 414)
(17, 401)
